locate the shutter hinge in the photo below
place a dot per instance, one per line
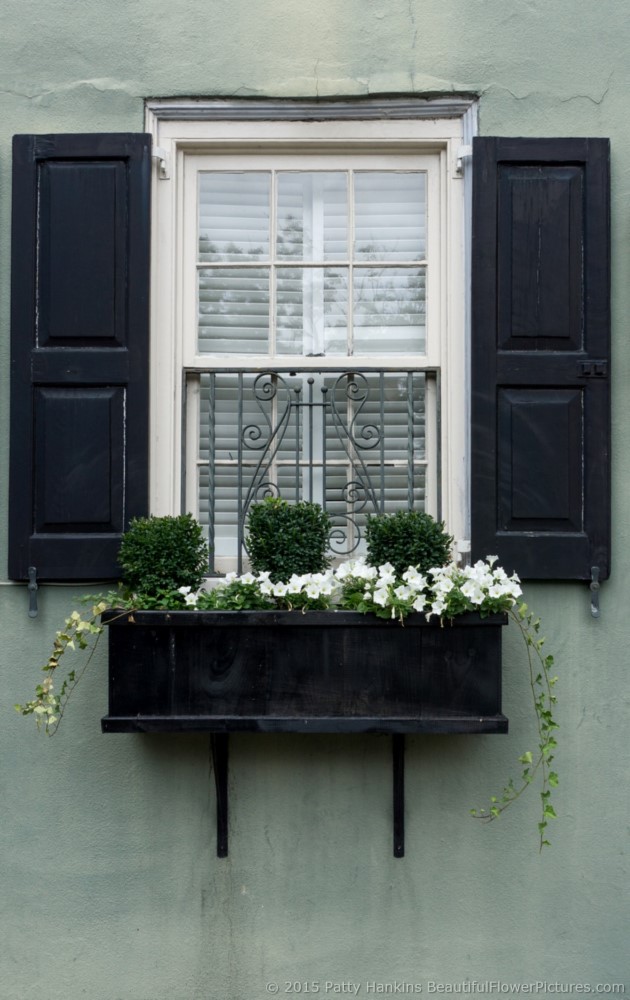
(593, 369)
(462, 154)
(160, 154)
(594, 588)
(32, 592)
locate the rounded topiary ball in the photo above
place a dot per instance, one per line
(285, 539)
(407, 538)
(163, 553)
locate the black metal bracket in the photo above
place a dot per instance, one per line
(398, 761)
(32, 592)
(219, 747)
(594, 588)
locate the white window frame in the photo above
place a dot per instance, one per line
(186, 132)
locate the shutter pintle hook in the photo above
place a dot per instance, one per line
(32, 592)
(594, 588)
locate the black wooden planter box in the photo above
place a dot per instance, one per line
(287, 672)
(270, 671)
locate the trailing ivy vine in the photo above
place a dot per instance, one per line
(534, 764)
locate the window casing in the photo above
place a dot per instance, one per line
(314, 323)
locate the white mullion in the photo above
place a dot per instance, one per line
(318, 320)
(350, 305)
(273, 235)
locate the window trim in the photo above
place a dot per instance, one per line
(181, 128)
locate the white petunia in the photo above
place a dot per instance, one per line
(381, 596)
(473, 592)
(414, 578)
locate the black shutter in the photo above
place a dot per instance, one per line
(540, 355)
(80, 345)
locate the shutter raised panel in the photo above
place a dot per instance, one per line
(540, 355)
(79, 318)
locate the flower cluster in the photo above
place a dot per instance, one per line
(445, 592)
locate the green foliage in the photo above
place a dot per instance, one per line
(79, 633)
(533, 765)
(160, 554)
(235, 596)
(407, 538)
(286, 539)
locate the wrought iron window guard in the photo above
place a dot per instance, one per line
(357, 442)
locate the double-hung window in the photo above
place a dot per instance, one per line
(309, 323)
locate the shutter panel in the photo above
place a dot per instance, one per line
(540, 355)
(79, 317)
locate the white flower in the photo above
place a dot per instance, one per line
(313, 590)
(184, 590)
(279, 589)
(418, 604)
(414, 578)
(191, 599)
(402, 593)
(230, 578)
(262, 576)
(247, 578)
(381, 596)
(437, 608)
(473, 592)
(266, 588)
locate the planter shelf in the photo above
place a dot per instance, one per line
(318, 672)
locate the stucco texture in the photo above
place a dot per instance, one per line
(110, 888)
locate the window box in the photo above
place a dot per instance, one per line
(268, 671)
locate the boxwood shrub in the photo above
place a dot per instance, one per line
(285, 538)
(407, 538)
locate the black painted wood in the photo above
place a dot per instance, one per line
(540, 355)
(398, 789)
(219, 745)
(79, 369)
(317, 672)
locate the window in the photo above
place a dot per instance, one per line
(309, 321)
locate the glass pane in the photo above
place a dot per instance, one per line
(389, 310)
(233, 311)
(390, 216)
(311, 311)
(234, 216)
(312, 216)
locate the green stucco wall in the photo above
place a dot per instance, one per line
(110, 888)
